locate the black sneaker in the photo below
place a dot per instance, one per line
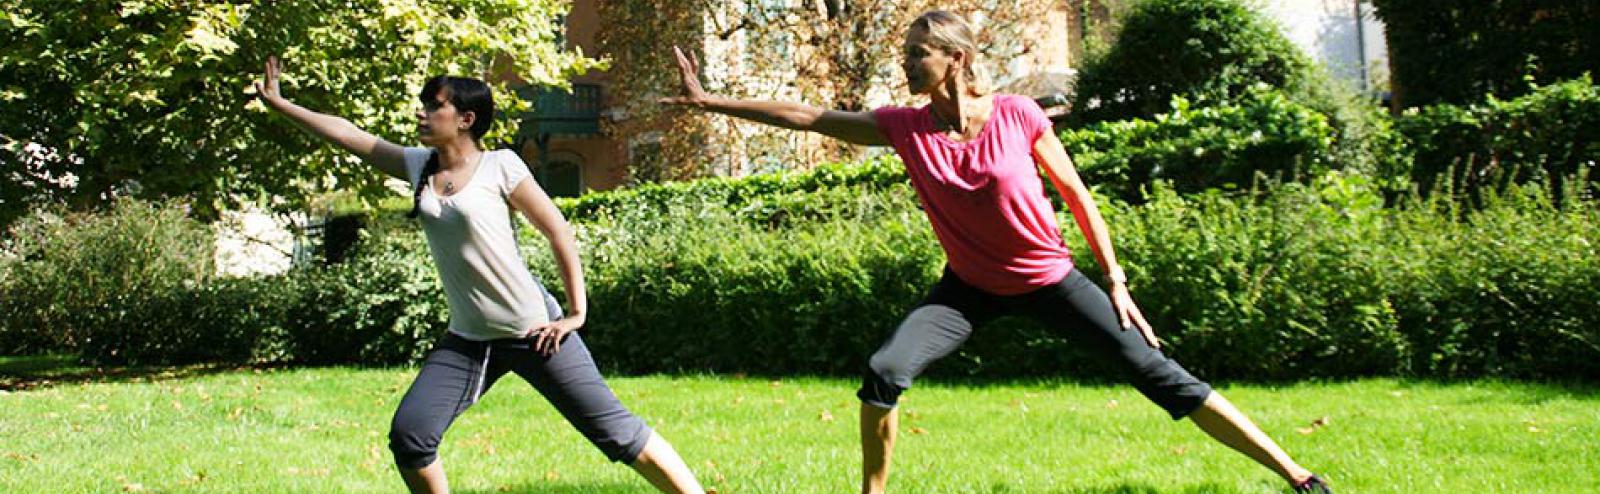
(1313, 485)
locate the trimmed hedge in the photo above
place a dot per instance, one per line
(751, 195)
(1307, 280)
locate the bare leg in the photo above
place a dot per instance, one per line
(427, 480)
(662, 466)
(1220, 419)
(878, 428)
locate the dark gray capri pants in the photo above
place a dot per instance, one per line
(458, 371)
(1074, 307)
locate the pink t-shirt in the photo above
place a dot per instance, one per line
(984, 196)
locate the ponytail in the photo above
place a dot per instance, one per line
(428, 171)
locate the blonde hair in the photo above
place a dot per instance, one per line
(951, 33)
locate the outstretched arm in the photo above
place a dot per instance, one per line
(385, 155)
(852, 127)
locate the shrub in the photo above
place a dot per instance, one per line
(1545, 137)
(1203, 50)
(1312, 279)
(1196, 148)
(74, 273)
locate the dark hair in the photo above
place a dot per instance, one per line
(466, 95)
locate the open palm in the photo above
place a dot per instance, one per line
(688, 72)
(267, 87)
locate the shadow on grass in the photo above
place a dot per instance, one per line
(34, 372)
(563, 487)
(1141, 489)
(615, 488)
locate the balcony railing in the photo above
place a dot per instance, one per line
(557, 112)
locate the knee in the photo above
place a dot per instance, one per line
(412, 444)
(886, 378)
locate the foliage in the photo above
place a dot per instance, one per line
(1204, 50)
(1197, 148)
(806, 274)
(75, 273)
(1455, 51)
(1545, 136)
(758, 197)
(147, 98)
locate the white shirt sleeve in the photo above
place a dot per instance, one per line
(512, 172)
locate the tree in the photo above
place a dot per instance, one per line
(147, 98)
(831, 53)
(1206, 50)
(1456, 51)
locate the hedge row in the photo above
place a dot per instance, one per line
(1305, 280)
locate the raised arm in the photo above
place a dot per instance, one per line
(852, 127)
(385, 155)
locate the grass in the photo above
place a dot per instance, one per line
(66, 429)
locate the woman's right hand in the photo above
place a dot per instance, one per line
(267, 87)
(688, 72)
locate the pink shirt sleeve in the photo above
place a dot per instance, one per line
(1034, 122)
(894, 122)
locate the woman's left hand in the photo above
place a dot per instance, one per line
(547, 337)
(1128, 313)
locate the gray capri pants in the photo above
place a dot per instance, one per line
(458, 371)
(1074, 307)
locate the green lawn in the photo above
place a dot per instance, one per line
(323, 430)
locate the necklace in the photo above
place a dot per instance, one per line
(450, 183)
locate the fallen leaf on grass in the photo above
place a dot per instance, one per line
(1315, 424)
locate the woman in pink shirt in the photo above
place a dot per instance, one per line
(973, 159)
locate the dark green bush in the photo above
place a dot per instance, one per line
(238, 320)
(751, 195)
(1203, 50)
(1313, 279)
(1455, 51)
(1545, 136)
(384, 305)
(1197, 148)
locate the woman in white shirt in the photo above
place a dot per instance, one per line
(499, 319)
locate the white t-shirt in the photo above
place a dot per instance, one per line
(490, 290)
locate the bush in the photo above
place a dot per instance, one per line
(1507, 289)
(1203, 50)
(382, 306)
(1197, 148)
(1273, 288)
(699, 288)
(75, 273)
(1314, 279)
(237, 320)
(1455, 51)
(751, 195)
(1545, 137)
